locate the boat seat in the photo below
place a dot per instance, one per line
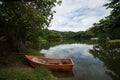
(38, 60)
(53, 62)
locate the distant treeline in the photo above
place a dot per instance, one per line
(107, 28)
(52, 34)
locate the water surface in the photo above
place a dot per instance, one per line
(88, 59)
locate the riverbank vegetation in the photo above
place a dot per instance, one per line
(21, 24)
(52, 35)
(114, 41)
(39, 73)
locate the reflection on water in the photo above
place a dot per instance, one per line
(90, 62)
(68, 50)
(63, 74)
(110, 55)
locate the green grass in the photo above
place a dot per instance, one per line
(33, 52)
(14, 66)
(115, 41)
(39, 73)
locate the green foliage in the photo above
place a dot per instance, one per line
(39, 73)
(54, 35)
(51, 34)
(24, 21)
(114, 29)
(114, 41)
(110, 26)
(83, 35)
(33, 51)
(107, 39)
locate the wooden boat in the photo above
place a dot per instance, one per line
(54, 64)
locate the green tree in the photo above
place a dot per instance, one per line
(24, 21)
(109, 26)
(114, 17)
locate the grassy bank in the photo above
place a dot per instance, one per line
(39, 73)
(115, 41)
(14, 66)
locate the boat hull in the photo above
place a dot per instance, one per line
(52, 66)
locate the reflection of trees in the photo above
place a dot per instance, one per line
(55, 42)
(63, 74)
(110, 55)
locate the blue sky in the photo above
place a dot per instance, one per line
(78, 15)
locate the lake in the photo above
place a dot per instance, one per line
(93, 61)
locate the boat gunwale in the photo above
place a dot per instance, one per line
(71, 61)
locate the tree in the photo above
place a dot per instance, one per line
(23, 21)
(109, 26)
(114, 25)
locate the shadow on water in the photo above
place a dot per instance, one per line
(64, 75)
(110, 55)
(92, 61)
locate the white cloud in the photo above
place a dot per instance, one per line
(76, 15)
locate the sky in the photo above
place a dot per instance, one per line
(78, 15)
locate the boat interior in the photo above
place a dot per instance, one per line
(50, 61)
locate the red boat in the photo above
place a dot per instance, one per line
(54, 64)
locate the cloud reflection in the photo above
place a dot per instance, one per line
(67, 50)
(86, 66)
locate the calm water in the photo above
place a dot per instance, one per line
(92, 61)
